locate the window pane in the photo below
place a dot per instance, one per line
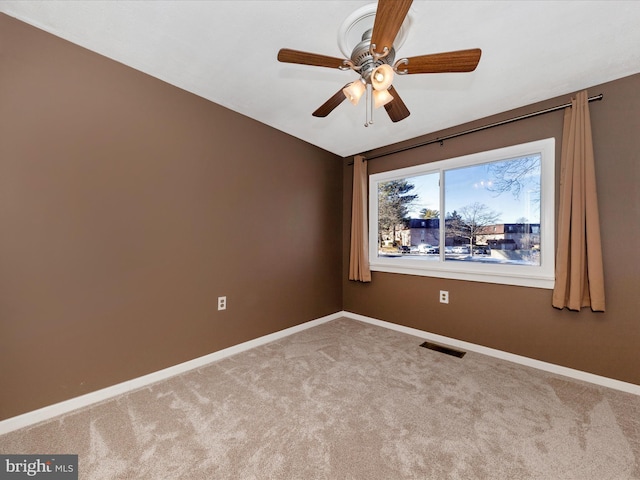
(493, 212)
(408, 217)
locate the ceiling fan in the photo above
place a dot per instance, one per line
(373, 59)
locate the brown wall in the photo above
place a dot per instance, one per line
(125, 205)
(517, 319)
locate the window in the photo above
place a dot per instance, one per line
(485, 217)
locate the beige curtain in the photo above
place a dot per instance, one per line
(359, 257)
(579, 272)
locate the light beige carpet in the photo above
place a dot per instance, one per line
(348, 400)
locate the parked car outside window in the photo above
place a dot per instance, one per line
(423, 247)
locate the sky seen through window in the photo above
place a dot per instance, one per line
(477, 183)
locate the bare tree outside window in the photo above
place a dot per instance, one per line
(516, 176)
(476, 217)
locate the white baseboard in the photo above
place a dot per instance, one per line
(510, 357)
(51, 411)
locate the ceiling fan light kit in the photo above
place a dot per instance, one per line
(382, 77)
(354, 91)
(373, 60)
(381, 98)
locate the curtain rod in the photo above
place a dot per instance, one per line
(477, 129)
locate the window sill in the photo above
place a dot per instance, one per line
(517, 278)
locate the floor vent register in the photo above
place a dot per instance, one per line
(442, 349)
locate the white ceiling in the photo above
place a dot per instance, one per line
(225, 51)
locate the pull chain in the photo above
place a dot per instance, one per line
(369, 107)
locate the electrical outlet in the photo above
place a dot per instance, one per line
(444, 296)
(222, 303)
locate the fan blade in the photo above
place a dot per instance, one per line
(389, 17)
(327, 107)
(458, 61)
(396, 108)
(287, 55)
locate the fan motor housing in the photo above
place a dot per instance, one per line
(365, 61)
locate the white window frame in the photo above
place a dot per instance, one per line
(539, 276)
